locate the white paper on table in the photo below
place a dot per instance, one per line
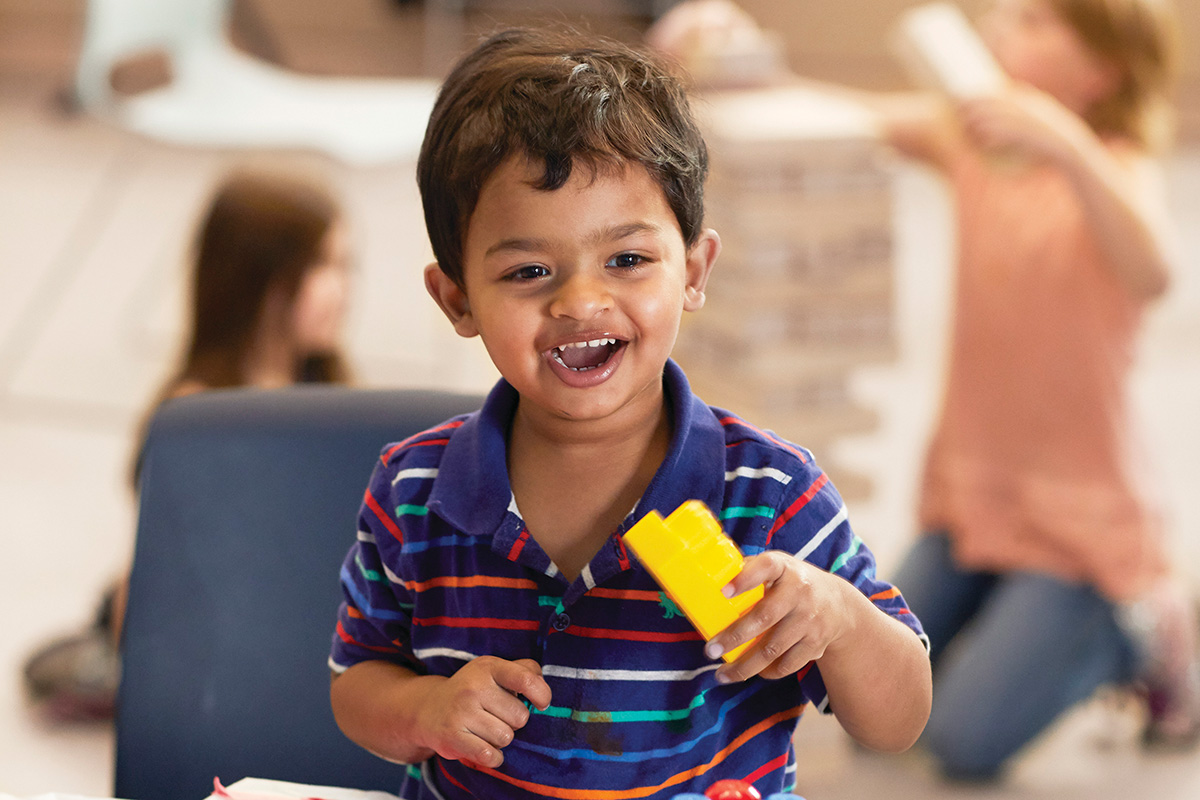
(263, 789)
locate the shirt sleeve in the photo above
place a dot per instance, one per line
(813, 524)
(374, 619)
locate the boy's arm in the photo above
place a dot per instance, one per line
(875, 669)
(401, 716)
(878, 677)
(375, 705)
(380, 697)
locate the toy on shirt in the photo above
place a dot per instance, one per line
(693, 559)
(733, 790)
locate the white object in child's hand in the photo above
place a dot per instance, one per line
(943, 50)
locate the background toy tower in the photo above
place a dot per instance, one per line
(802, 294)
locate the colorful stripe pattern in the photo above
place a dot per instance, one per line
(444, 570)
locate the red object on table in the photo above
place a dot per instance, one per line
(732, 790)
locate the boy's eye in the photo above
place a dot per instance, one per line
(625, 261)
(528, 272)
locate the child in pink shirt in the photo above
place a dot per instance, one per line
(1043, 531)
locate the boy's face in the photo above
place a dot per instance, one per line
(577, 293)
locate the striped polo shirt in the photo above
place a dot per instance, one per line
(444, 570)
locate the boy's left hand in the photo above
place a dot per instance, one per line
(803, 611)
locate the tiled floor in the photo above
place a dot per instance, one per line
(92, 229)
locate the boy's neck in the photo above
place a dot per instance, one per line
(575, 481)
(629, 427)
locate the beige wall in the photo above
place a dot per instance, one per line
(837, 40)
(846, 41)
(1189, 95)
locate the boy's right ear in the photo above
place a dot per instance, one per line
(451, 299)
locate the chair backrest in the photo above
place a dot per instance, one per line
(115, 29)
(248, 502)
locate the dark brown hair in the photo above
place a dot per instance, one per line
(1140, 38)
(563, 100)
(261, 234)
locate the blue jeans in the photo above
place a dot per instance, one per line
(1011, 652)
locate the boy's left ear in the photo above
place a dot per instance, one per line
(700, 259)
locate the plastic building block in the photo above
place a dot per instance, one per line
(732, 790)
(693, 559)
(723, 787)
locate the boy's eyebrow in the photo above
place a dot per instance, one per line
(609, 234)
(518, 246)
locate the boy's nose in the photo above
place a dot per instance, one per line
(580, 296)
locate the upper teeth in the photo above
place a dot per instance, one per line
(592, 343)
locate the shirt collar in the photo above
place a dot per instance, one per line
(472, 491)
(694, 467)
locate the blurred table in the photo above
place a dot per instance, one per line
(249, 789)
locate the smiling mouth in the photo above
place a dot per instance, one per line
(586, 356)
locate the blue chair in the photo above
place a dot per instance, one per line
(248, 504)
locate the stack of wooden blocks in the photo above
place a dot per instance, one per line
(802, 294)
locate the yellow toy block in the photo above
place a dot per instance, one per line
(692, 559)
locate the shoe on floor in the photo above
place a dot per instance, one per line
(1173, 714)
(75, 678)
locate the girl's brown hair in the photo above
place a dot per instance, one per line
(1141, 38)
(261, 234)
(562, 100)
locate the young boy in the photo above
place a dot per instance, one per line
(495, 633)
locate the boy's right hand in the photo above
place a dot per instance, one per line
(473, 714)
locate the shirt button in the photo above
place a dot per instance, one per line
(561, 622)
